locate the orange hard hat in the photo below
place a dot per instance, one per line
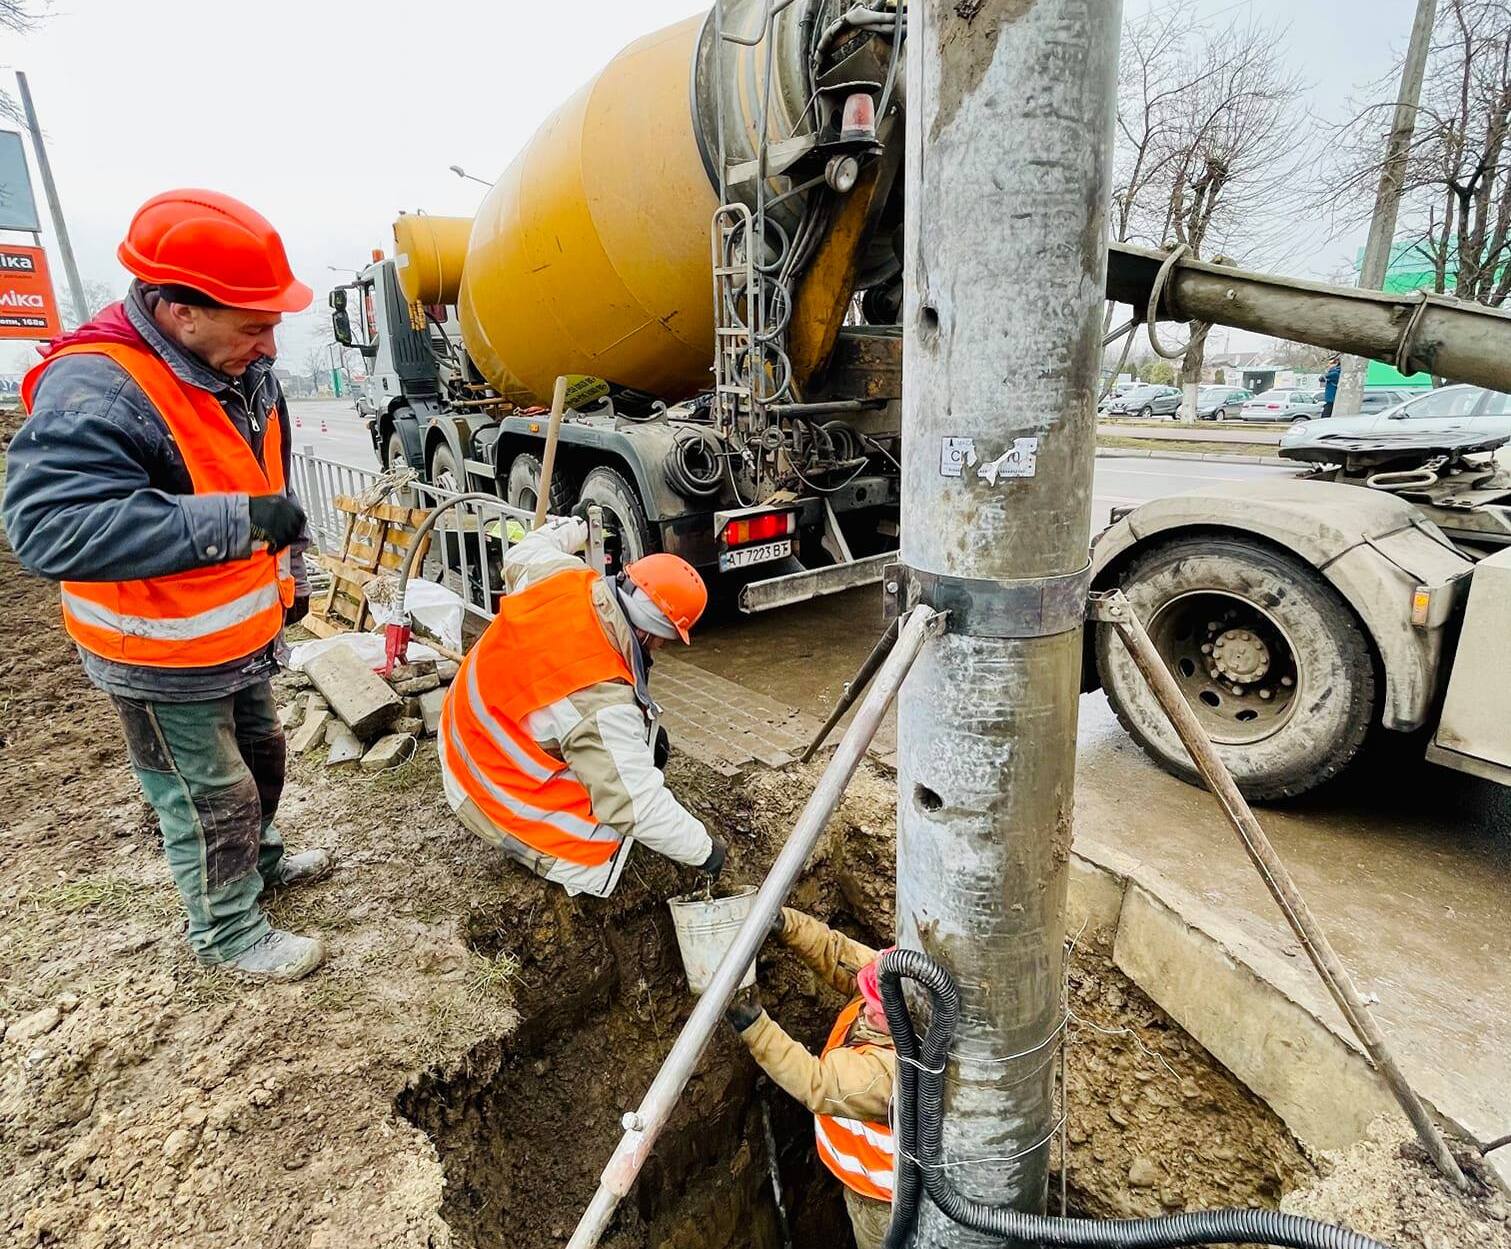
(215, 245)
(674, 586)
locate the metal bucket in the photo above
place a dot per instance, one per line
(706, 928)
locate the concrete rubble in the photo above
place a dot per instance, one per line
(360, 715)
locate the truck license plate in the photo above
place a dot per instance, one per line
(762, 552)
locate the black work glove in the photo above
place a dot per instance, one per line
(276, 520)
(661, 748)
(714, 864)
(744, 1008)
(301, 608)
(779, 923)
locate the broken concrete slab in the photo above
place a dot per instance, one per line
(446, 669)
(389, 752)
(413, 725)
(291, 715)
(346, 746)
(417, 685)
(356, 693)
(431, 702)
(313, 700)
(408, 672)
(311, 733)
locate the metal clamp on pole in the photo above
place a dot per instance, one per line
(1033, 608)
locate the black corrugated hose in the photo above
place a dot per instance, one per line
(917, 1104)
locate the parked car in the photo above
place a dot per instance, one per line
(1147, 400)
(1218, 403)
(1283, 405)
(1378, 398)
(1450, 409)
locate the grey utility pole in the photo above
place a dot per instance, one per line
(50, 189)
(1009, 143)
(1382, 227)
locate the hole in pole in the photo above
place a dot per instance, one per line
(926, 798)
(928, 322)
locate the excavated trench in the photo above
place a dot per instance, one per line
(524, 1123)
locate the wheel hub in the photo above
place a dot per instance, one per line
(1240, 656)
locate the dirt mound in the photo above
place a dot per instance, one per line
(1385, 1187)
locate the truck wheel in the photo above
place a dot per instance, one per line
(1272, 661)
(396, 457)
(522, 490)
(445, 473)
(622, 514)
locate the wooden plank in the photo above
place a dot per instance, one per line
(410, 516)
(342, 571)
(323, 628)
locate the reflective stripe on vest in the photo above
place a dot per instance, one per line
(858, 1153)
(201, 617)
(545, 644)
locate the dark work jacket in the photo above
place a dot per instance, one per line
(96, 490)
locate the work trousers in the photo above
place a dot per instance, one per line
(869, 1219)
(213, 771)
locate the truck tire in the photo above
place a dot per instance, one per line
(522, 489)
(396, 458)
(1227, 613)
(445, 472)
(622, 513)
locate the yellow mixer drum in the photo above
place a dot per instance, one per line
(591, 252)
(428, 256)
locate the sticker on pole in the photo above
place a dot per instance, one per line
(956, 455)
(1019, 460)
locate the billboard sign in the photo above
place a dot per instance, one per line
(28, 308)
(18, 206)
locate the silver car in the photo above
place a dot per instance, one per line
(1147, 400)
(1283, 405)
(1449, 409)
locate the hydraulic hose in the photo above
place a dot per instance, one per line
(918, 1108)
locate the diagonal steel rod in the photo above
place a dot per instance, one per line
(642, 1127)
(855, 687)
(1114, 609)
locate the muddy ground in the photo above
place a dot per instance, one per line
(455, 1074)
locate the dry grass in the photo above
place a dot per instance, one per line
(111, 897)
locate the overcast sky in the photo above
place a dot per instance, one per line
(329, 118)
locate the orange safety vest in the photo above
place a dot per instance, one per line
(201, 617)
(545, 644)
(860, 1154)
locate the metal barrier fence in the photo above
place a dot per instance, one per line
(467, 544)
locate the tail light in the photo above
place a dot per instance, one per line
(761, 528)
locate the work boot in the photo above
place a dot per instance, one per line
(279, 956)
(302, 868)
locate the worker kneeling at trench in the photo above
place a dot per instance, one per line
(849, 1086)
(548, 739)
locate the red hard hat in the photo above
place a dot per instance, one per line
(216, 245)
(674, 586)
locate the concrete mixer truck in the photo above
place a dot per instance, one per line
(713, 227)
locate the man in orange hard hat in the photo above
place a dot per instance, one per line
(548, 739)
(151, 480)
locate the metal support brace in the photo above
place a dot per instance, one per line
(1038, 607)
(1112, 608)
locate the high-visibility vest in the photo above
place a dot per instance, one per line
(201, 617)
(545, 644)
(858, 1153)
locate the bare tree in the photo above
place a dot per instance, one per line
(1209, 140)
(1455, 218)
(18, 16)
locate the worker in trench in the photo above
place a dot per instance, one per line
(848, 1087)
(150, 479)
(548, 739)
